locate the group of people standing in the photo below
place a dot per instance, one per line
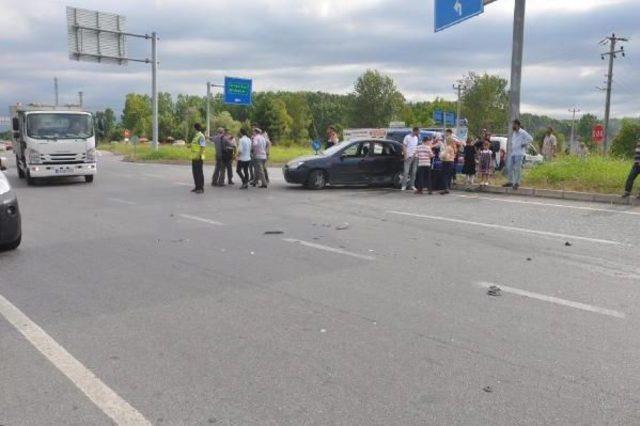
(251, 154)
(481, 157)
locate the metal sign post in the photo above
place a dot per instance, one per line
(101, 37)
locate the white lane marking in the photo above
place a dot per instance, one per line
(99, 393)
(329, 249)
(121, 201)
(149, 175)
(556, 300)
(509, 228)
(538, 203)
(183, 184)
(201, 219)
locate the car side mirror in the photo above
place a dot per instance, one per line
(3, 164)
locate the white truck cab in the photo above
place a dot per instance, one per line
(53, 141)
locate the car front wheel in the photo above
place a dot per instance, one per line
(11, 246)
(317, 180)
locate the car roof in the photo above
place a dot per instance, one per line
(373, 140)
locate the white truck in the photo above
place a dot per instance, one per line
(53, 141)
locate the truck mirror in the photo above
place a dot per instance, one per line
(16, 124)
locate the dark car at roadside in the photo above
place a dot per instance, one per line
(10, 223)
(350, 163)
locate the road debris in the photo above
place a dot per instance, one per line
(495, 291)
(529, 259)
(343, 227)
(568, 244)
(487, 389)
(273, 232)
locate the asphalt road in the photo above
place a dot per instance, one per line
(133, 300)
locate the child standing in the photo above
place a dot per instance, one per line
(424, 154)
(486, 163)
(469, 167)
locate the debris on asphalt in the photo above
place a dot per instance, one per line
(495, 291)
(529, 259)
(343, 227)
(323, 330)
(252, 253)
(273, 232)
(487, 389)
(315, 238)
(371, 251)
(568, 244)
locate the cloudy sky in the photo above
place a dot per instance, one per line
(324, 45)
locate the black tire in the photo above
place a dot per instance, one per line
(397, 180)
(11, 246)
(88, 178)
(317, 180)
(30, 181)
(21, 174)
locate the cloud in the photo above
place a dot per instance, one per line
(325, 45)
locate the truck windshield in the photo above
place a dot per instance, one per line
(59, 126)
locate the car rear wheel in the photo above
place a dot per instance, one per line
(397, 180)
(11, 246)
(317, 180)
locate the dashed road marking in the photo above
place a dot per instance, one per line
(556, 300)
(201, 219)
(538, 203)
(121, 201)
(183, 184)
(509, 228)
(329, 249)
(119, 410)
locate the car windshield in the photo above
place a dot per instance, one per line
(336, 148)
(59, 126)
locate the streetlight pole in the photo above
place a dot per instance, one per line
(612, 53)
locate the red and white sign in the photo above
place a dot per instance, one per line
(597, 133)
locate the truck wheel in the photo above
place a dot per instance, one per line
(30, 181)
(88, 178)
(20, 171)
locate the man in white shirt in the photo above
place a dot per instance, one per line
(520, 140)
(244, 158)
(549, 145)
(410, 144)
(259, 147)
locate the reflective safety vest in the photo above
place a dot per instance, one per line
(197, 151)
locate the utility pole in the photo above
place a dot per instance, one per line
(572, 143)
(612, 53)
(154, 87)
(55, 89)
(81, 98)
(459, 87)
(208, 109)
(516, 66)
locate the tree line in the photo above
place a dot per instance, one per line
(298, 117)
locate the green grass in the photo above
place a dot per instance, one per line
(177, 154)
(592, 174)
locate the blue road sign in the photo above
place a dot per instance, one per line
(316, 145)
(450, 118)
(452, 12)
(237, 91)
(438, 116)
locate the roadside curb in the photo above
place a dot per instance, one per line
(555, 194)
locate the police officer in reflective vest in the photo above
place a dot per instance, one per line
(197, 159)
